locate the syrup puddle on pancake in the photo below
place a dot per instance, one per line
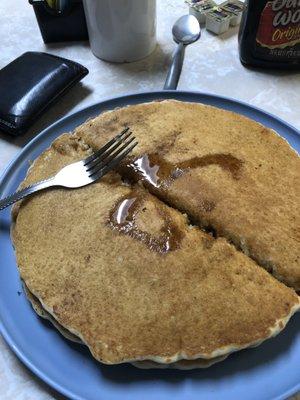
(123, 218)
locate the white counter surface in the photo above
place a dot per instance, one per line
(211, 65)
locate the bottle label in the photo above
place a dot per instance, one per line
(278, 34)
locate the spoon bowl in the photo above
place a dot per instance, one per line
(186, 30)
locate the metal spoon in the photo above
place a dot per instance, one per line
(186, 30)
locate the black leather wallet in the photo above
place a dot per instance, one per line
(29, 84)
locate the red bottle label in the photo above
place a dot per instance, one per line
(279, 28)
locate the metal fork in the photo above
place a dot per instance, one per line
(84, 172)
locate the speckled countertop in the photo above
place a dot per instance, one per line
(211, 65)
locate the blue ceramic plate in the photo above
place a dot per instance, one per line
(271, 371)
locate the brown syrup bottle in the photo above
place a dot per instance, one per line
(269, 34)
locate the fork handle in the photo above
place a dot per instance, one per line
(20, 194)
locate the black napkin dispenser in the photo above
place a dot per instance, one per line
(67, 25)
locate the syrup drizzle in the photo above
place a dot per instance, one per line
(159, 173)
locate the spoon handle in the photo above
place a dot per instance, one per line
(175, 68)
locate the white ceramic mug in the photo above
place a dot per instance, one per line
(121, 30)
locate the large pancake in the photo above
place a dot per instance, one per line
(234, 176)
(142, 286)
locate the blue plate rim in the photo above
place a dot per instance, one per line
(125, 98)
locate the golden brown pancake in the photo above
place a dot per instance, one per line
(230, 174)
(131, 278)
(39, 309)
(181, 364)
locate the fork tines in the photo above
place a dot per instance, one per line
(110, 154)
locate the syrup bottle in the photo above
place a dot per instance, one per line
(269, 34)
